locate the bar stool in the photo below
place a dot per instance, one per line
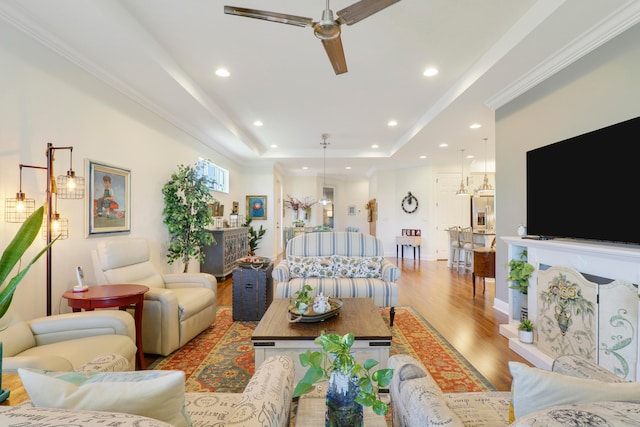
(466, 247)
(454, 246)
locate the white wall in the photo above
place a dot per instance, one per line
(44, 98)
(601, 89)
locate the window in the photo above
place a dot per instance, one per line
(219, 176)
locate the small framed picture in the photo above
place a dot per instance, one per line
(351, 210)
(257, 207)
(109, 199)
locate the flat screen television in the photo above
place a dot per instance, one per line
(586, 187)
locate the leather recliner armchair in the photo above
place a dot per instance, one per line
(65, 342)
(177, 307)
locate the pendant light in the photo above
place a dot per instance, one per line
(485, 189)
(324, 201)
(462, 191)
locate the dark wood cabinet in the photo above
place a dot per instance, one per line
(484, 265)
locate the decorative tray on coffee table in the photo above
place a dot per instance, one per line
(311, 316)
(255, 262)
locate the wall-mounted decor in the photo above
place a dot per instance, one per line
(257, 207)
(109, 200)
(409, 203)
(352, 210)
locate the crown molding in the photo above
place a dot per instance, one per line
(611, 26)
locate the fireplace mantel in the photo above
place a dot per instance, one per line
(607, 260)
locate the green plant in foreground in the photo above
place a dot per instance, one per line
(526, 325)
(12, 254)
(519, 273)
(336, 356)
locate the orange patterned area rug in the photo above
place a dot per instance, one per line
(221, 358)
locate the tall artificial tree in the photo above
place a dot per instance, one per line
(187, 214)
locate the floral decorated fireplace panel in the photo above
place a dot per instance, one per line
(617, 328)
(566, 313)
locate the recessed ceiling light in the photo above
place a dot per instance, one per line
(392, 123)
(274, 145)
(423, 157)
(475, 126)
(258, 123)
(348, 167)
(429, 72)
(470, 156)
(222, 72)
(375, 146)
(443, 145)
(305, 168)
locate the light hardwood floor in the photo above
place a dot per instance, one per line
(444, 297)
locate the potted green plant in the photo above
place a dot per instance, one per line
(351, 385)
(302, 299)
(520, 272)
(254, 235)
(10, 257)
(525, 331)
(187, 195)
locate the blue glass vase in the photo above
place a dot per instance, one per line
(342, 408)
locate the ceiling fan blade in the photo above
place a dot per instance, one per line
(362, 9)
(282, 18)
(335, 52)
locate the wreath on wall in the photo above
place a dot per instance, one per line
(410, 203)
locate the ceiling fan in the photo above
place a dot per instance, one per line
(326, 29)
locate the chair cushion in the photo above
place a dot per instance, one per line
(605, 414)
(534, 389)
(141, 274)
(335, 243)
(193, 300)
(28, 415)
(16, 338)
(383, 293)
(153, 394)
(79, 350)
(119, 253)
(480, 409)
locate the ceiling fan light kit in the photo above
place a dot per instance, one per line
(327, 29)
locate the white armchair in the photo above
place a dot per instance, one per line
(177, 307)
(65, 342)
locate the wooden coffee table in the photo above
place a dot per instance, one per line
(274, 335)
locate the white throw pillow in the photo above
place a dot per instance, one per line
(534, 389)
(154, 394)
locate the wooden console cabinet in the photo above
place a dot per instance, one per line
(221, 257)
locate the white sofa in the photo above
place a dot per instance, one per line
(266, 401)
(571, 394)
(176, 308)
(338, 264)
(65, 342)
